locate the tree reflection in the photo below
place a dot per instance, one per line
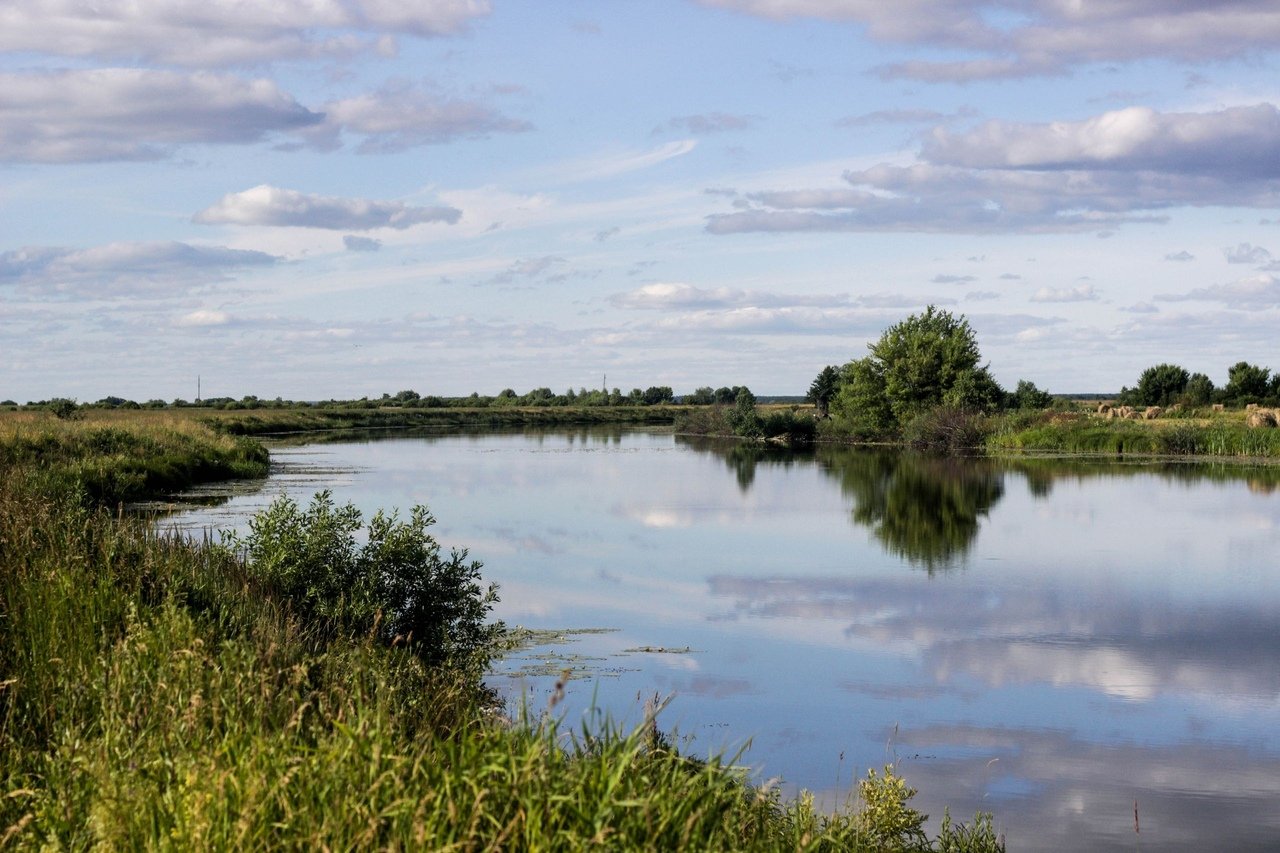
(743, 457)
(924, 509)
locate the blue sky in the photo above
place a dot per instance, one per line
(338, 198)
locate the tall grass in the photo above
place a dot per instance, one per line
(155, 693)
(1220, 436)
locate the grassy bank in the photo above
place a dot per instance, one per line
(275, 421)
(161, 693)
(113, 459)
(1208, 434)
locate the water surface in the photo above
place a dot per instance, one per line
(1051, 641)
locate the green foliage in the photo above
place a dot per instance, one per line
(1198, 391)
(1028, 396)
(1157, 386)
(823, 389)
(1246, 383)
(946, 429)
(63, 409)
(925, 361)
(886, 821)
(396, 585)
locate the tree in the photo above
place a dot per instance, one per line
(1028, 396)
(1199, 390)
(704, 396)
(823, 389)
(1246, 383)
(1159, 385)
(656, 394)
(925, 361)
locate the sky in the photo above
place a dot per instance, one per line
(317, 199)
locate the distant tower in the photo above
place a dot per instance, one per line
(197, 387)
(604, 383)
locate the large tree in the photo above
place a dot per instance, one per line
(1158, 386)
(824, 388)
(925, 361)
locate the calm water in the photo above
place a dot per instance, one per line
(1050, 641)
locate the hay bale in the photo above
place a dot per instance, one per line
(1260, 419)
(1219, 407)
(1104, 408)
(1252, 407)
(1152, 413)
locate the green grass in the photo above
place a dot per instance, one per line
(1222, 435)
(158, 693)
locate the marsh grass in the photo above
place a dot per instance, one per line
(1220, 435)
(157, 694)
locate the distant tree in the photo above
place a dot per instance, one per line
(725, 396)
(1199, 390)
(743, 418)
(656, 394)
(701, 397)
(63, 408)
(925, 361)
(823, 389)
(1246, 383)
(1028, 396)
(1157, 386)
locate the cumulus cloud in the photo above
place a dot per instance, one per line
(136, 114)
(1259, 291)
(224, 32)
(1246, 253)
(1182, 256)
(708, 123)
(1079, 293)
(530, 268)
(268, 205)
(1084, 176)
(1047, 36)
(664, 296)
(1235, 142)
(402, 116)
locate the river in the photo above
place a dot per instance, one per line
(1088, 649)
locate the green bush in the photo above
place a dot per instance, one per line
(397, 585)
(946, 430)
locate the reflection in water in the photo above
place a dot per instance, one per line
(923, 508)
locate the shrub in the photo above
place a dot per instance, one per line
(946, 430)
(397, 586)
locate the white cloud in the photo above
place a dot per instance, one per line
(1231, 143)
(1079, 293)
(1046, 36)
(118, 269)
(401, 117)
(268, 205)
(1247, 253)
(224, 32)
(204, 318)
(667, 296)
(1259, 291)
(1181, 257)
(1001, 178)
(135, 114)
(953, 279)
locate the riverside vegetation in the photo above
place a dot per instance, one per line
(309, 686)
